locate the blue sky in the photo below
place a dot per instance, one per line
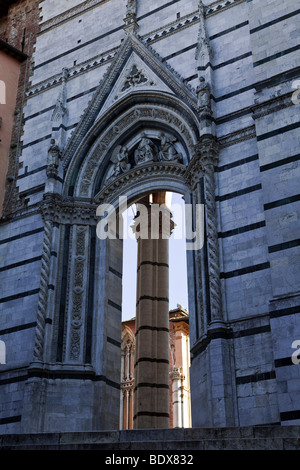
(177, 260)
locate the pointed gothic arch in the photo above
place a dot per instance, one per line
(85, 339)
(122, 125)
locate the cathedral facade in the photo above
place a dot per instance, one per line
(126, 101)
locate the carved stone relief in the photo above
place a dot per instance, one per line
(147, 151)
(54, 156)
(134, 78)
(166, 150)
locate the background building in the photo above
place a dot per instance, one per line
(19, 24)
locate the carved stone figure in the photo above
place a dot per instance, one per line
(168, 151)
(145, 152)
(121, 162)
(203, 93)
(54, 155)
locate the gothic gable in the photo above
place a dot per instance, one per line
(136, 69)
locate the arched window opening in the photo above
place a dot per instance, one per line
(179, 344)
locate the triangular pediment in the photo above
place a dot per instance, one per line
(136, 75)
(135, 68)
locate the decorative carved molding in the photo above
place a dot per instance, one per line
(135, 175)
(202, 165)
(272, 105)
(218, 6)
(43, 293)
(78, 291)
(73, 72)
(238, 136)
(120, 126)
(213, 244)
(65, 211)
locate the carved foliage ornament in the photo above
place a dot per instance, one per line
(135, 77)
(78, 293)
(205, 158)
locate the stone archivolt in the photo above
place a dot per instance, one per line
(109, 140)
(168, 170)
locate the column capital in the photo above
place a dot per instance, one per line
(207, 150)
(66, 211)
(176, 374)
(205, 158)
(153, 222)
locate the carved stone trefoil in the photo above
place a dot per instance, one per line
(134, 78)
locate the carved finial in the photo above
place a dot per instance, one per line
(131, 8)
(201, 8)
(203, 50)
(130, 19)
(61, 102)
(60, 113)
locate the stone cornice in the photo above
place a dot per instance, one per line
(272, 105)
(73, 72)
(64, 211)
(212, 9)
(218, 6)
(71, 13)
(238, 136)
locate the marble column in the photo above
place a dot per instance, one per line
(177, 396)
(151, 398)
